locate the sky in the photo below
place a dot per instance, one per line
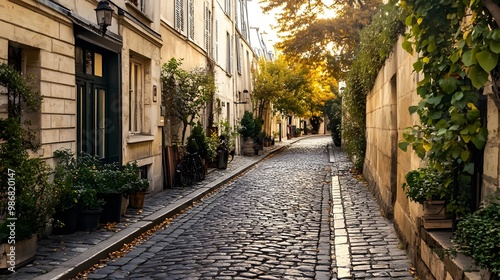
(263, 21)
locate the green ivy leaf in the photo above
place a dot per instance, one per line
(435, 100)
(495, 35)
(487, 60)
(468, 58)
(436, 115)
(407, 47)
(478, 76)
(457, 118)
(454, 127)
(431, 47)
(412, 109)
(473, 114)
(449, 84)
(480, 140)
(455, 57)
(403, 146)
(495, 46)
(417, 66)
(465, 155)
(469, 168)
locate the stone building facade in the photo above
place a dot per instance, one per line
(385, 166)
(100, 92)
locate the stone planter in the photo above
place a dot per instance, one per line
(14, 256)
(247, 147)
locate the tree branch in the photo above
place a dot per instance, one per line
(494, 10)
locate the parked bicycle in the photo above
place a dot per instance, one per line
(190, 170)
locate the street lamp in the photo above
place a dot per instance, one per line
(104, 14)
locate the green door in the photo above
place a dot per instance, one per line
(97, 103)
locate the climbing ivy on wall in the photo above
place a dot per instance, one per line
(376, 42)
(458, 45)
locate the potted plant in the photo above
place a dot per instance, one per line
(432, 188)
(27, 196)
(66, 214)
(89, 208)
(140, 187)
(247, 131)
(135, 187)
(110, 181)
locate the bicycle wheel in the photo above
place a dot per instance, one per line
(182, 173)
(200, 170)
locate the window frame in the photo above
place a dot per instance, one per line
(136, 97)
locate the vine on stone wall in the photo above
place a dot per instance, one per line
(375, 45)
(458, 46)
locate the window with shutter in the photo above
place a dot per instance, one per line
(191, 19)
(179, 15)
(208, 17)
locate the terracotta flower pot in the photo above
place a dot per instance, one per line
(136, 200)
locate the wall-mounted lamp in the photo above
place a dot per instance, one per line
(104, 14)
(239, 97)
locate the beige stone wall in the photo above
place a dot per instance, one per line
(491, 167)
(386, 165)
(47, 41)
(146, 147)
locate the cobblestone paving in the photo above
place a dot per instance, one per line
(371, 239)
(271, 223)
(56, 249)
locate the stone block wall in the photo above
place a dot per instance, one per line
(386, 165)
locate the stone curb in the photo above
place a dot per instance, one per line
(93, 255)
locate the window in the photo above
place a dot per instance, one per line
(216, 40)
(208, 33)
(239, 47)
(229, 57)
(191, 19)
(179, 15)
(13, 99)
(88, 62)
(25, 60)
(135, 98)
(139, 4)
(227, 7)
(243, 20)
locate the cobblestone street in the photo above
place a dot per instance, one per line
(271, 223)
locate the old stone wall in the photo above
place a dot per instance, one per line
(386, 165)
